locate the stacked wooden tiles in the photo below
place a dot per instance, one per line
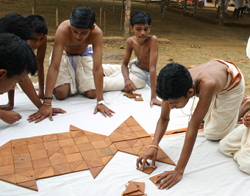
(23, 161)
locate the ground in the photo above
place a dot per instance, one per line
(184, 38)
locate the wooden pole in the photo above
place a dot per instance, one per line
(222, 10)
(104, 18)
(56, 17)
(127, 18)
(100, 17)
(121, 18)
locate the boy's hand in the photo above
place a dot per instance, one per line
(43, 112)
(104, 110)
(7, 107)
(246, 119)
(168, 179)
(155, 101)
(129, 86)
(10, 116)
(142, 160)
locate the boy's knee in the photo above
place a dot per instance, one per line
(91, 94)
(60, 94)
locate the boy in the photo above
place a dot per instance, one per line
(145, 46)
(19, 25)
(17, 60)
(37, 41)
(72, 68)
(220, 87)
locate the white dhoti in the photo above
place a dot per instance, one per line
(237, 145)
(77, 70)
(114, 81)
(222, 115)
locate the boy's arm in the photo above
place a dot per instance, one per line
(40, 62)
(161, 127)
(97, 42)
(46, 109)
(129, 85)
(29, 90)
(153, 58)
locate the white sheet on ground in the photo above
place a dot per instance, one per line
(208, 172)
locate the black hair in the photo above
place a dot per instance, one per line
(82, 18)
(16, 55)
(16, 24)
(173, 82)
(38, 24)
(140, 17)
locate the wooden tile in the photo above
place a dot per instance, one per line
(89, 154)
(128, 150)
(54, 150)
(6, 160)
(95, 171)
(6, 145)
(74, 157)
(57, 159)
(166, 160)
(131, 121)
(138, 99)
(63, 136)
(106, 159)
(29, 184)
(18, 158)
(23, 166)
(18, 142)
(41, 163)
(51, 145)
(121, 145)
(11, 178)
(81, 140)
(61, 169)
(66, 142)
(102, 152)
(113, 148)
(20, 149)
(75, 134)
(35, 147)
(70, 149)
(44, 172)
(108, 141)
(25, 176)
(94, 162)
(147, 170)
(146, 141)
(49, 138)
(38, 154)
(94, 137)
(7, 169)
(78, 166)
(131, 143)
(34, 140)
(99, 144)
(85, 147)
(7, 151)
(153, 179)
(74, 128)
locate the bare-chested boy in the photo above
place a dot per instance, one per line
(72, 68)
(220, 87)
(143, 69)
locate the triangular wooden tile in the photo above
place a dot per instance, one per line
(6, 145)
(29, 184)
(35, 140)
(95, 171)
(153, 179)
(74, 128)
(128, 150)
(94, 162)
(25, 176)
(61, 169)
(106, 159)
(44, 172)
(131, 121)
(78, 166)
(166, 160)
(18, 142)
(63, 136)
(48, 138)
(11, 178)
